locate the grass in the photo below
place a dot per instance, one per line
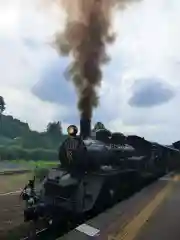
(16, 182)
(44, 164)
(40, 168)
(34, 164)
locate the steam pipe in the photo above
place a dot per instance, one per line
(85, 128)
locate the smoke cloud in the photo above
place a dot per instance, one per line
(85, 37)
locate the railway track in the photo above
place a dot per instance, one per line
(55, 231)
(12, 224)
(27, 231)
(13, 172)
(37, 233)
(11, 210)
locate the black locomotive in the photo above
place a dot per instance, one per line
(96, 172)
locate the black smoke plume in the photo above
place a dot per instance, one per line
(86, 35)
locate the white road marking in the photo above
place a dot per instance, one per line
(167, 177)
(88, 230)
(10, 193)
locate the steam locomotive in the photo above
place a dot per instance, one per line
(96, 171)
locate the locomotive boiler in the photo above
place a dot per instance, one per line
(95, 172)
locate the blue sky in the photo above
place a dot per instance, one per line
(140, 91)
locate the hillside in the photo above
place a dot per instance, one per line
(17, 140)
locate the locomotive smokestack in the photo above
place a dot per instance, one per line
(85, 127)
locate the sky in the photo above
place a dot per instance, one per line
(140, 92)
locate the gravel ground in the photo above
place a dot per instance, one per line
(10, 183)
(11, 206)
(11, 212)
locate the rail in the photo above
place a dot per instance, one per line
(11, 172)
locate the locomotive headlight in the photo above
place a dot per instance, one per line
(72, 130)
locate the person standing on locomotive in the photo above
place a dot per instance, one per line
(72, 152)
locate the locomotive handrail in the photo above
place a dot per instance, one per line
(66, 199)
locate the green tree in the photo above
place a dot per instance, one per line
(2, 105)
(18, 141)
(54, 129)
(54, 133)
(2, 108)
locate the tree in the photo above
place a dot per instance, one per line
(2, 105)
(99, 125)
(2, 108)
(54, 129)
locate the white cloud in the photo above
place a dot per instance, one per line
(20, 66)
(147, 46)
(36, 112)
